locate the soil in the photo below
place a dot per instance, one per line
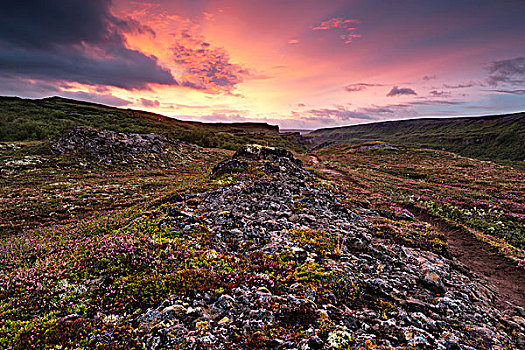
(483, 260)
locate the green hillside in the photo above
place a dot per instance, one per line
(500, 137)
(38, 120)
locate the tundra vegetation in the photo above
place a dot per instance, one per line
(197, 247)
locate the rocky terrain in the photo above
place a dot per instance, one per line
(108, 146)
(257, 251)
(330, 282)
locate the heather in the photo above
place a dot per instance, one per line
(483, 198)
(258, 252)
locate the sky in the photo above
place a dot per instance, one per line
(301, 64)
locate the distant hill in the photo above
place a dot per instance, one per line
(41, 119)
(499, 137)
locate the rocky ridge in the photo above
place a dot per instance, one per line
(108, 146)
(328, 282)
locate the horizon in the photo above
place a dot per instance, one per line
(281, 129)
(304, 65)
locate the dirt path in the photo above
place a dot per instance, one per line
(483, 260)
(479, 257)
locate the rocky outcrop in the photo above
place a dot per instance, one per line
(108, 146)
(330, 281)
(273, 159)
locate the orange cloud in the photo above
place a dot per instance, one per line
(341, 24)
(337, 23)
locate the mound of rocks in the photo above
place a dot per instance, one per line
(349, 288)
(109, 146)
(273, 159)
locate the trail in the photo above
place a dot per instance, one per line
(481, 259)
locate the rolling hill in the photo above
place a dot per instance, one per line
(499, 137)
(41, 119)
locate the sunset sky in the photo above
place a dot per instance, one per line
(296, 63)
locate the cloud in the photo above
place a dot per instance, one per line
(293, 41)
(206, 68)
(331, 115)
(106, 99)
(377, 110)
(429, 77)
(436, 93)
(511, 71)
(401, 91)
(336, 23)
(459, 86)
(434, 103)
(514, 92)
(359, 87)
(341, 24)
(76, 41)
(27, 87)
(219, 118)
(149, 103)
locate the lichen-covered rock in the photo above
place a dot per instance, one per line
(274, 160)
(109, 146)
(258, 152)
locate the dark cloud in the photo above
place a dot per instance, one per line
(429, 77)
(511, 71)
(436, 93)
(513, 92)
(90, 97)
(301, 105)
(331, 115)
(401, 91)
(27, 88)
(459, 86)
(377, 110)
(434, 103)
(359, 87)
(74, 40)
(149, 103)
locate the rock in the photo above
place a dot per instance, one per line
(339, 339)
(257, 152)
(225, 302)
(223, 321)
(175, 311)
(108, 146)
(228, 167)
(277, 160)
(433, 281)
(314, 342)
(150, 320)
